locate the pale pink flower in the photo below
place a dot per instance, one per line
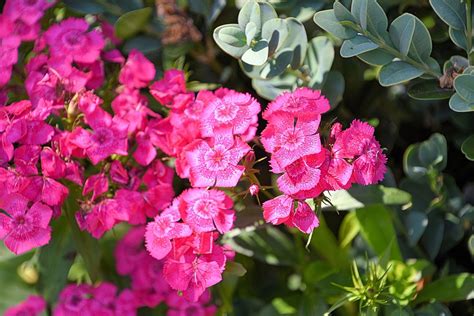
(138, 71)
(162, 230)
(215, 162)
(206, 210)
(70, 38)
(24, 228)
(34, 305)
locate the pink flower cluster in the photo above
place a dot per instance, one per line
(33, 306)
(149, 283)
(308, 168)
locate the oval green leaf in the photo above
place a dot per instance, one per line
(397, 72)
(132, 22)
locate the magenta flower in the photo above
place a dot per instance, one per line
(108, 137)
(303, 218)
(70, 39)
(34, 305)
(234, 111)
(172, 85)
(137, 72)
(102, 218)
(97, 184)
(160, 232)
(29, 11)
(206, 210)
(215, 163)
(130, 250)
(290, 139)
(23, 228)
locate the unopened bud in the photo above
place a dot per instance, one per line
(254, 189)
(249, 159)
(28, 273)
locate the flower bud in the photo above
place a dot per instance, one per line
(254, 189)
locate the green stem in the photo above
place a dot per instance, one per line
(470, 53)
(381, 43)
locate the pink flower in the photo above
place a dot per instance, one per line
(52, 165)
(33, 306)
(97, 184)
(28, 11)
(289, 140)
(303, 218)
(158, 173)
(102, 218)
(302, 176)
(70, 38)
(192, 275)
(167, 89)
(130, 250)
(137, 72)
(234, 111)
(206, 210)
(24, 228)
(107, 138)
(179, 306)
(277, 210)
(215, 163)
(131, 106)
(303, 103)
(74, 300)
(26, 158)
(160, 232)
(254, 189)
(46, 190)
(118, 173)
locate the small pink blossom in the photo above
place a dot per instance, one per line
(28, 11)
(21, 227)
(206, 210)
(277, 210)
(234, 111)
(215, 163)
(303, 103)
(172, 85)
(34, 305)
(138, 71)
(97, 184)
(290, 139)
(303, 218)
(70, 38)
(254, 189)
(101, 218)
(162, 230)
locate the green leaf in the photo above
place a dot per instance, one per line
(433, 236)
(256, 55)
(357, 45)
(402, 30)
(270, 89)
(250, 32)
(458, 37)
(361, 196)
(319, 58)
(13, 290)
(256, 12)
(145, 44)
(132, 22)
(376, 57)
(467, 147)
(231, 39)
(55, 260)
(458, 104)
(464, 86)
(267, 244)
(415, 223)
(333, 88)
(451, 288)
(397, 72)
(452, 12)
(317, 271)
(297, 41)
(275, 31)
(434, 152)
(370, 16)
(421, 46)
(235, 268)
(429, 90)
(85, 6)
(328, 22)
(210, 9)
(377, 230)
(341, 12)
(349, 229)
(412, 165)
